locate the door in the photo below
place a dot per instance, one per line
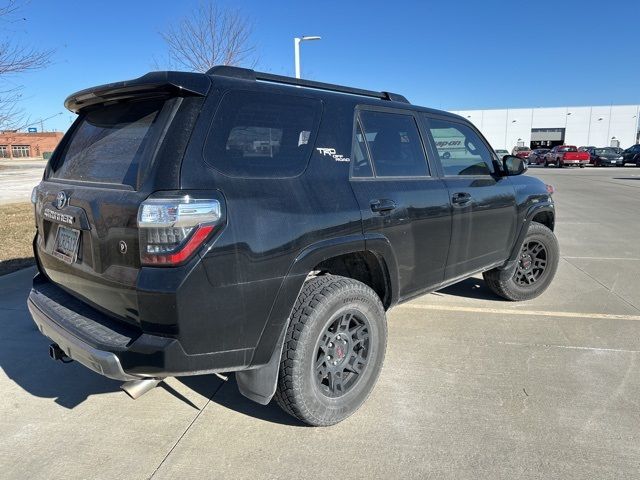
(483, 204)
(398, 197)
(631, 154)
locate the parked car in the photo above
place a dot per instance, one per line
(566, 155)
(522, 152)
(618, 150)
(537, 156)
(501, 153)
(604, 157)
(631, 155)
(238, 221)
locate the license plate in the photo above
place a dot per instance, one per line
(66, 245)
(613, 161)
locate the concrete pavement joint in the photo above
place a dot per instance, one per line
(512, 311)
(603, 258)
(186, 430)
(567, 347)
(598, 281)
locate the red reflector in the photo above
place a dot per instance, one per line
(195, 241)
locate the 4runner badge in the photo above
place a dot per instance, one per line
(332, 153)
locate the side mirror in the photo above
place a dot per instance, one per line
(513, 165)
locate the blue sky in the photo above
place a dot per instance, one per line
(445, 54)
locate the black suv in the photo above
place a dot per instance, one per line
(631, 155)
(238, 221)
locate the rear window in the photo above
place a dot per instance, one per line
(108, 143)
(568, 149)
(256, 134)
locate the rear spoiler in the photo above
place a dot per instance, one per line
(151, 84)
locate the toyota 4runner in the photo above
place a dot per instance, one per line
(238, 221)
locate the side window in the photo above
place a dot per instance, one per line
(257, 134)
(360, 157)
(394, 143)
(460, 149)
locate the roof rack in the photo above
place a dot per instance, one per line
(248, 74)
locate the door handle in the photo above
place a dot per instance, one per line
(382, 205)
(461, 198)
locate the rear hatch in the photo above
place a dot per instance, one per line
(127, 142)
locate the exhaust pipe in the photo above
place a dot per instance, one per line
(137, 388)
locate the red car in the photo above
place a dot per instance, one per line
(566, 155)
(522, 152)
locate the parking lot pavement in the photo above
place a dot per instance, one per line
(473, 387)
(17, 179)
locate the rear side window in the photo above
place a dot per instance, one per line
(257, 134)
(394, 143)
(108, 143)
(460, 149)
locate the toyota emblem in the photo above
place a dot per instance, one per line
(61, 200)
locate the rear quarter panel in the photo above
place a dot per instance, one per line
(269, 223)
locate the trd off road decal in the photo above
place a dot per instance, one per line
(332, 153)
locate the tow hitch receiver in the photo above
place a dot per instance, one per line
(57, 353)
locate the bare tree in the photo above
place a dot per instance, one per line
(15, 59)
(210, 36)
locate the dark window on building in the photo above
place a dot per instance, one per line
(460, 149)
(108, 143)
(257, 134)
(20, 151)
(360, 157)
(394, 143)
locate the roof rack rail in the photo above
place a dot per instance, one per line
(248, 74)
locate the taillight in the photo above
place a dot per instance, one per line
(550, 189)
(172, 229)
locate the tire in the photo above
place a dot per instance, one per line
(546, 164)
(519, 283)
(308, 383)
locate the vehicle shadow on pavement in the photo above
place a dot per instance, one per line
(25, 360)
(474, 288)
(229, 396)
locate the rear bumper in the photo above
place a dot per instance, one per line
(116, 349)
(575, 162)
(100, 361)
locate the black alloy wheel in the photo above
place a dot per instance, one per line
(531, 264)
(333, 350)
(532, 271)
(342, 354)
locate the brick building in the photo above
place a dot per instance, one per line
(33, 144)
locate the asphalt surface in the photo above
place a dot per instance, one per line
(472, 387)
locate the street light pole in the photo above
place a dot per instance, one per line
(296, 50)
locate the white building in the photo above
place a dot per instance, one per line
(615, 125)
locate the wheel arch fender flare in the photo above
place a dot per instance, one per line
(530, 214)
(258, 383)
